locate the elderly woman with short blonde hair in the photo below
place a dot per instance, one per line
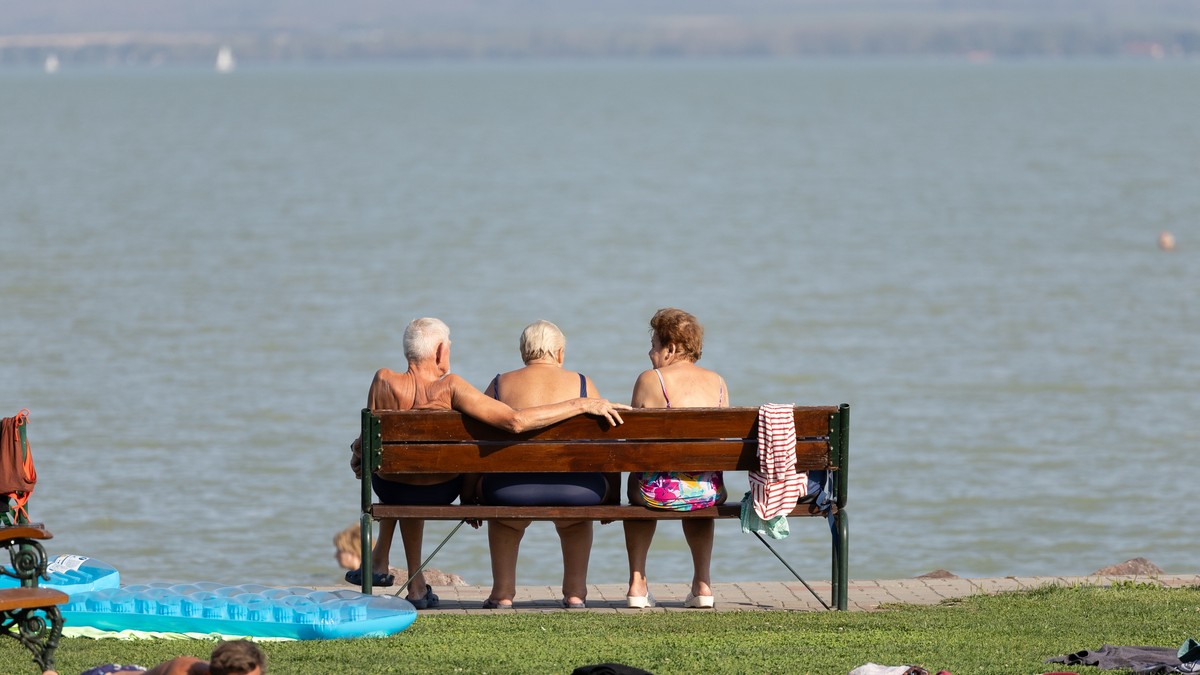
(542, 380)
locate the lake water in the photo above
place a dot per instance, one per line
(201, 273)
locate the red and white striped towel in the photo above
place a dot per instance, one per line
(776, 487)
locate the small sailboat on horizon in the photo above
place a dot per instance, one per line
(51, 64)
(225, 62)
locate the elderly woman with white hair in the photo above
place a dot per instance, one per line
(541, 381)
(428, 384)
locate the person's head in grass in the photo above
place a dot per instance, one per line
(346, 545)
(237, 657)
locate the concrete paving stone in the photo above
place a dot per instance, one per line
(1031, 583)
(952, 588)
(996, 585)
(805, 594)
(743, 596)
(1181, 581)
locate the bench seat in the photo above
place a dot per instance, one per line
(30, 598)
(599, 512)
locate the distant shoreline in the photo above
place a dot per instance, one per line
(794, 40)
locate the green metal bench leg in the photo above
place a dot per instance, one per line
(37, 629)
(841, 559)
(365, 561)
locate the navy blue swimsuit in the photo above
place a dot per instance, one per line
(406, 494)
(543, 489)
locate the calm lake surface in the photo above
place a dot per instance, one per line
(201, 273)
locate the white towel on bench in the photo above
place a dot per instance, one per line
(776, 487)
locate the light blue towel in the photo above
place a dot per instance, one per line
(775, 528)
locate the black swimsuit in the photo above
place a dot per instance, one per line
(543, 489)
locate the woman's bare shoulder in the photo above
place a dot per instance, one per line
(645, 377)
(647, 392)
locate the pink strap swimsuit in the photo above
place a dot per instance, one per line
(682, 491)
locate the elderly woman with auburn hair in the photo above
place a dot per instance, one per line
(676, 342)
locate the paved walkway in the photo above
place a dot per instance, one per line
(865, 595)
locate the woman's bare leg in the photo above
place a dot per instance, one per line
(504, 544)
(699, 535)
(575, 536)
(639, 534)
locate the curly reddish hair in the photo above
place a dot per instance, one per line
(676, 327)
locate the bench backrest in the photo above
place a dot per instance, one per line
(686, 439)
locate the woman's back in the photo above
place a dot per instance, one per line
(543, 380)
(680, 385)
(539, 384)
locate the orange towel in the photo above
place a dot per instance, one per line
(17, 475)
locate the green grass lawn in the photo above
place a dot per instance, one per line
(1006, 633)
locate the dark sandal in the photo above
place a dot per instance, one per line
(495, 604)
(429, 601)
(381, 579)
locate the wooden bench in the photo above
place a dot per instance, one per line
(28, 613)
(691, 439)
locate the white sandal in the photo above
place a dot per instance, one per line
(699, 601)
(639, 601)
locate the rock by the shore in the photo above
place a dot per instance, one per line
(1137, 566)
(938, 574)
(433, 577)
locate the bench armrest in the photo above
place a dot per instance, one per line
(25, 552)
(24, 531)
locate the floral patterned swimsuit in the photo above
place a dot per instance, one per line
(682, 491)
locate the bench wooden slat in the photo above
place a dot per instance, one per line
(601, 512)
(30, 598)
(588, 456)
(439, 426)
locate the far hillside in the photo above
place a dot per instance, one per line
(163, 31)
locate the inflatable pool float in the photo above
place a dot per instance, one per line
(73, 574)
(250, 610)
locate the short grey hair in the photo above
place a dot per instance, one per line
(541, 339)
(422, 336)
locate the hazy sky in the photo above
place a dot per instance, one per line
(19, 16)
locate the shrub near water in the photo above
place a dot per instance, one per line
(1005, 633)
